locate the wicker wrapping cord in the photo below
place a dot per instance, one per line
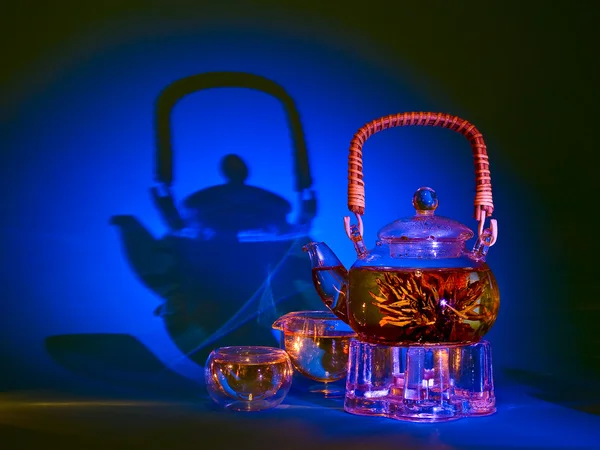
(484, 205)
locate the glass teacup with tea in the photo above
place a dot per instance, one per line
(248, 378)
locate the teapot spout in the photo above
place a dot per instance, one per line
(330, 278)
(150, 259)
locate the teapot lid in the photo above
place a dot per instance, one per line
(424, 226)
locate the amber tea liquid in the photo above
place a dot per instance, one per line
(249, 381)
(422, 305)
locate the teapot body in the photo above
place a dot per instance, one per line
(421, 301)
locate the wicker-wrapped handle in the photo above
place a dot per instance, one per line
(484, 205)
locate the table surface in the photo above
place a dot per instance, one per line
(533, 412)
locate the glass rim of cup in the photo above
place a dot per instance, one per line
(249, 354)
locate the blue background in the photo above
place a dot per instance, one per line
(78, 146)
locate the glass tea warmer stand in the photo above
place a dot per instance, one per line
(419, 302)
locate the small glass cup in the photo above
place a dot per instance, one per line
(248, 378)
(318, 344)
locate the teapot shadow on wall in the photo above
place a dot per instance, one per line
(230, 263)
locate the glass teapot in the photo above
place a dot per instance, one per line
(419, 284)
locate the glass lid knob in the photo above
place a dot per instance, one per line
(425, 201)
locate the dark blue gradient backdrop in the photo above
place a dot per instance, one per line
(80, 146)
